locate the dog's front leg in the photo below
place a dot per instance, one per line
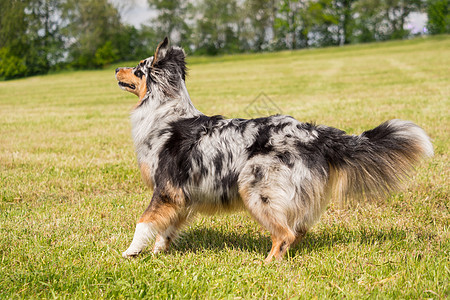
(143, 234)
(164, 215)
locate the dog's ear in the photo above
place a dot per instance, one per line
(161, 50)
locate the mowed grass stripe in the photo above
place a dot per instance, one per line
(71, 192)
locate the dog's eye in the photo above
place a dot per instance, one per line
(139, 73)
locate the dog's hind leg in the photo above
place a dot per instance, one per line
(265, 195)
(273, 220)
(280, 244)
(162, 217)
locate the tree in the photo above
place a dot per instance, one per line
(38, 35)
(325, 23)
(11, 66)
(383, 19)
(13, 25)
(345, 16)
(29, 37)
(13, 40)
(293, 24)
(170, 20)
(367, 21)
(438, 16)
(396, 12)
(92, 24)
(257, 24)
(44, 34)
(131, 43)
(218, 27)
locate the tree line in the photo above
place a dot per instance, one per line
(37, 36)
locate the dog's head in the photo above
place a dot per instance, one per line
(160, 73)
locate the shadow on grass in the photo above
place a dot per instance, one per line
(326, 240)
(210, 239)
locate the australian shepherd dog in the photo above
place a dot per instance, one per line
(281, 171)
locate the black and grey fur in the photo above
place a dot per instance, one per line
(282, 171)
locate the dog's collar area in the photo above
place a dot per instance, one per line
(124, 84)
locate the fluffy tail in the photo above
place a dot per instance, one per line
(375, 163)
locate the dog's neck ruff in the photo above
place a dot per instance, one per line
(157, 111)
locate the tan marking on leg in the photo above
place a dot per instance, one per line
(159, 215)
(280, 245)
(282, 237)
(146, 175)
(164, 207)
(164, 239)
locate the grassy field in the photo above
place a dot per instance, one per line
(71, 192)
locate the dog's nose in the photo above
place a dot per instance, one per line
(117, 70)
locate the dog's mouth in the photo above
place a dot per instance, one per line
(127, 85)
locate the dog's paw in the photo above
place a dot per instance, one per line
(129, 254)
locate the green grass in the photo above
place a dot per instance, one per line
(71, 192)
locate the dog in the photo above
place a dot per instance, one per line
(282, 171)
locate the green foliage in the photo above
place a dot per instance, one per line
(326, 23)
(132, 44)
(345, 11)
(171, 20)
(217, 28)
(28, 33)
(381, 20)
(105, 55)
(11, 66)
(52, 34)
(254, 35)
(93, 23)
(438, 16)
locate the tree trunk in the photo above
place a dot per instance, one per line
(346, 21)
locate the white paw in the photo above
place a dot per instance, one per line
(128, 253)
(144, 232)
